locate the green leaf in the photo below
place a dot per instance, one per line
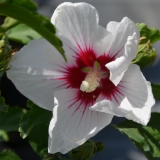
(3, 136)
(9, 121)
(9, 22)
(22, 34)
(33, 117)
(27, 4)
(19, 11)
(8, 155)
(84, 152)
(3, 106)
(146, 138)
(156, 90)
(38, 139)
(23, 125)
(151, 34)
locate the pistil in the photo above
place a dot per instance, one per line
(92, 81)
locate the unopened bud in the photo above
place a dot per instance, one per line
(5, 50)
(146, 55)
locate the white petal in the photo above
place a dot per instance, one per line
(33, 75)
(78, 25)
(72, 125)
(124, 47)
(134, 99)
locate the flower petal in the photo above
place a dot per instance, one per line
(123, 47)
(133, 100)
(72, 124)
(33, 75)
(78, 24)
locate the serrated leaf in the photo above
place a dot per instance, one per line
(156, 90)
(8, 155)
(22, 33)
(9, 121)
(146, 138)
(151, 34)
(3, 106)
(33, 117)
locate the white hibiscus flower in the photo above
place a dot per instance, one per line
(97, 82)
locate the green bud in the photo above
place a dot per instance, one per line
(86, 151)
(151, 34)
(146, 54)
(83, 152)
(99, 146)
(5, 50)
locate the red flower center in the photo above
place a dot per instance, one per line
(89, 64)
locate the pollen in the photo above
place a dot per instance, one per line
(91, 82)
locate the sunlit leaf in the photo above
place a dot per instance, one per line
(9, 22)
(146, 138)
(22, 34)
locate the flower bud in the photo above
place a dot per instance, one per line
(146, 54)
(83, 152)
(86, 151)
(5, 50)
